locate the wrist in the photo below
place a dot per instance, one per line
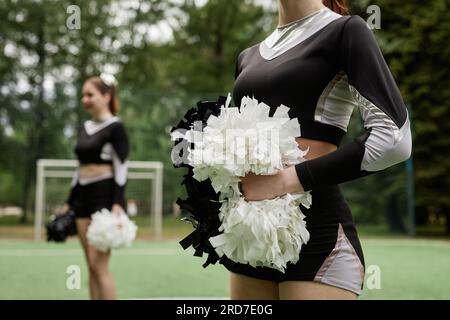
(117, 208)
(279, 185)
(290, 181)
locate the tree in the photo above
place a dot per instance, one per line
(209, 39)
(46, 61)
(414, 37)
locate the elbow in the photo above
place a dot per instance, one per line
(403, 148)
(376, 159)
(400, 153)
(405, 151)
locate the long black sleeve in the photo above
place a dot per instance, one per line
(120, 143)
(74, 188)
(387, 140)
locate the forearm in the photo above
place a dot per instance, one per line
(119, 194)
(72, 195)
(74, 188)
(334, 168)
(120, 144)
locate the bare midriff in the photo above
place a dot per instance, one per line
(316, 148)
(94, 170)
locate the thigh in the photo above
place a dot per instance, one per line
(82, 225)
(247, 288)
(311, 290)
(96, 258)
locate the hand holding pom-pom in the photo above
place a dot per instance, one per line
(111, 231)
(255, 187)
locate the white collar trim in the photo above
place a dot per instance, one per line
(92, 127)
(300, 31)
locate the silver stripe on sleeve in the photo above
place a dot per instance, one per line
(387, 144)
(107, 151)
(336, 103)
(120, 169)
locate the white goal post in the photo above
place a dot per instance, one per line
(62, 168)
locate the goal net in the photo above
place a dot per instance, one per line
(143, 192)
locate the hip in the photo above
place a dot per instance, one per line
(98, 192)
(328, 208)
(333, 253)
(95, 196)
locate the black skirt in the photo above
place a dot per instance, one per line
(333, 254)
(93, 197)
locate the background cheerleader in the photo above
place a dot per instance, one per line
(99, 181)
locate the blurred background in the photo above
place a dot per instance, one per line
(167, 55)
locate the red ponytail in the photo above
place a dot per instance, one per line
(338, 6)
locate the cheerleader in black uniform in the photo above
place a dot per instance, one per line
(99, 181)
(322, 63)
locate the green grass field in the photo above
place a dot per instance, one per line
(410, 269)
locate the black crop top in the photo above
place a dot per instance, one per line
(333, 65)
(103, 142)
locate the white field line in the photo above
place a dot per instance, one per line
(168, 251)
(405, 243)
(180, 298)
(79, 252)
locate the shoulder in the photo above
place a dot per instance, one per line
(118, 126)
(247, 51)
(357, 36)
(118, 122)
(354, 24)
(118, 130)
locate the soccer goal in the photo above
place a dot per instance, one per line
(143, 191)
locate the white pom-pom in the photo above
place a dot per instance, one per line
(109, 231)
(242, 140)
(263, 233)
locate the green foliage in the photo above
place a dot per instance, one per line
(40, 122)
(159, 81)
(415, 36)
